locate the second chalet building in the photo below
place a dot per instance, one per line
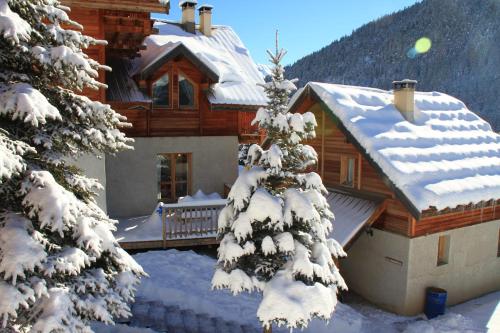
(420, 173)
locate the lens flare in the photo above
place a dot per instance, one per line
(423, 45)
(412, 53)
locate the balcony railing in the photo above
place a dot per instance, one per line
(190, 220)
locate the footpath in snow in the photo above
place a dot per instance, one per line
(181, 280)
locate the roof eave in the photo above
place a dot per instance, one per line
(179, 50)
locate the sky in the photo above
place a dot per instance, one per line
(304, 26)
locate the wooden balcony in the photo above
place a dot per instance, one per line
(154, 122)
(180, 225)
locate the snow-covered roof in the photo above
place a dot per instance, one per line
(447, 157)
(222, 55)
(121, 87)
(351, 215)
(182, 2)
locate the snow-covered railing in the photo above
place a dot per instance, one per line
(191, 219)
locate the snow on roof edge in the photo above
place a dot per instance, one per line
(436, 192)
(223, 53)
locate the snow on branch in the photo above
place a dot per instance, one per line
(54, 206)
(22, 101)
(19, 251)
(274, 228)
(60, 265)
(12, 26)
(293, 303)
(11, 156)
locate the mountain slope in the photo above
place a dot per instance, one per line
(464, 60)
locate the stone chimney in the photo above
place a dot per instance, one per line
(404, 98)
(188, 7)
(206, 20)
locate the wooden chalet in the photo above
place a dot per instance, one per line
(190, 90)
(431, 169)
(125, 25)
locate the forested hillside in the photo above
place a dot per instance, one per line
(464, 60)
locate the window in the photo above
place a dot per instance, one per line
(347, 165)
(186, 92)
(443, 250)
(174, 179)
(160, 91)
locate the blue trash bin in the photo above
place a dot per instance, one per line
(435, 302)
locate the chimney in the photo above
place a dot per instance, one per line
(206, 20)
(404, 98)
(188, 7)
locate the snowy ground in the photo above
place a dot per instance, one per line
(182, 278)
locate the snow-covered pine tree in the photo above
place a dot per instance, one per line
(274, 227)
(60, 266)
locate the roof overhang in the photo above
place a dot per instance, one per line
(353, 214)
(130, 5)
(308, 92)
(183, 51)
(238, 107)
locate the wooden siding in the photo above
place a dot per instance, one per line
(124, 30)
(132, 5)
(467, 217)
(92, 25)
(200, 120)
(331, 144)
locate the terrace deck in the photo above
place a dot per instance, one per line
(172, 225)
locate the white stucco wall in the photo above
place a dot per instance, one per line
(393, 271)
(473, 268)
(376, 267)
(94, 167)
(132, 179)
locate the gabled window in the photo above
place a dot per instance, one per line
(161, 91)
(187, 93)
(347, 165)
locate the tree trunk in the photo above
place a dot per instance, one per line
(268, 330)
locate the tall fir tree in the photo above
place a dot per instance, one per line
(274, 229)
(60, 266)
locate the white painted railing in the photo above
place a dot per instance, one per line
(194, 219)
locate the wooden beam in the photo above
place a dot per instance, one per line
(147, 6)
(374, 217)
(322, 170)
(412, 223)
(158, 244)
(360, 163)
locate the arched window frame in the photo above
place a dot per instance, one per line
(195, 95)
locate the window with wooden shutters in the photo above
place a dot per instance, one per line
(347, 168)
(174, 176)
(443, 250)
